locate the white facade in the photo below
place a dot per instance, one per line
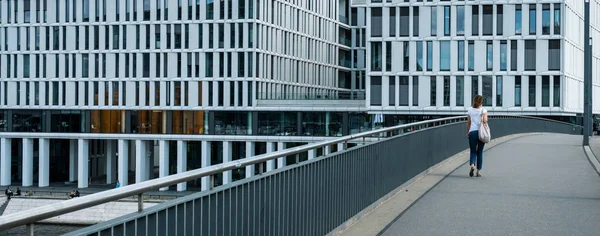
(117, 88)
(395, 85)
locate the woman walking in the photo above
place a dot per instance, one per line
(475, 116)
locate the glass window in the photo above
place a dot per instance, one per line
(429, 55)
(474, 86)
(545, 91)
(532, 90)
(403, 90)
(392, 90)
(487, 83)
(490, 55)
(545, 19)
(85, 65)
(503, 55)
(433, 91)
(557, 18)
(404, 17)
(376, 25)
(26, 64)
(447, 20)
(532, 18)
(447, 91)
(115, 37)
(488, 27)
(209, 65)
(210, 9)
(444, 55)
(376, 56)
(554, 54)
(461, 55)
(460, 20)
(419, 56)
(147, 9)
(499, 90)
(513, 55)
(518, 19)
(518, 91)
(460, 89)
(499, 20)
(557, 91)
(415, 21)
(530, 55)
(392, 22)
(471, 55)
(388, 56)
(475, 21)
(375, 91)
(433, 21)
(406, 56)
(415, 90)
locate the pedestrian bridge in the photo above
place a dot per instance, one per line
(537, 180)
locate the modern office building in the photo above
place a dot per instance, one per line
(432, 57)
(95, 91)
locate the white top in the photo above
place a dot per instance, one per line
(475, 114)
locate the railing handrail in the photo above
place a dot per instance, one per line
(45, 212)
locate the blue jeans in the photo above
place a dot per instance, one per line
(476, 148)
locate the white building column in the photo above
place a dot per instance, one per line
(281, 161)
(205, 163)
(27, 162)
(140, 161)
(340, 147)
(111, 162)
(44, 161)
(163, 160)
(123, 160)
(249, 154)
(5, 161)
(312, 154)
(226, 158)
(326, 150)
(181, 162)
(82, 163)
(270, 163)
(73, 160)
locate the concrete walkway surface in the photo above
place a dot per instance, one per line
(533, 185)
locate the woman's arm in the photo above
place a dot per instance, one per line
(468, 124)
(485, 118)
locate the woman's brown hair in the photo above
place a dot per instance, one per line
(477, 101)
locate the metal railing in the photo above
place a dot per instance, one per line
(29, 217)
(335, 96)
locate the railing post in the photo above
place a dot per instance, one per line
(140, 202)
(29, 230)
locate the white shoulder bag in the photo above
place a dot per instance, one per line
(484, 130)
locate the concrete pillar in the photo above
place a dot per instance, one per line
(206, 163)
(140, 161)
(123, 160)
(312, 154)
(82, 163)
(181, 162)
(249, 154)
(270, 163)
(73, 160)
(44, 161)
(340, 147)
(281, 161)
(326, 150)
(27, 162)
(163, 163)
(226, 158)
(111, 162)
(5, 161)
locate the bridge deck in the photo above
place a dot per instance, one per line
(534, 185)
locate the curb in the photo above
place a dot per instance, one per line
(592, 158)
